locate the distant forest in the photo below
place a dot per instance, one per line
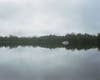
(76, 41)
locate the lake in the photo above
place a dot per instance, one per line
(37, 63)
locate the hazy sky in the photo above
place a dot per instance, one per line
(41, 17)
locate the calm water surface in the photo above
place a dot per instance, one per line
(28, 63)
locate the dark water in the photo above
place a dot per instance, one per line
(28, 63)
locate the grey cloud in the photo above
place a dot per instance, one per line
(7, 11)
(39, 17)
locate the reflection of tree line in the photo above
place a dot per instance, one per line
(76, 41)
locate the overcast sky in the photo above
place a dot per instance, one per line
(42, 17)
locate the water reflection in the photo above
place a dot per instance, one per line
(70, 47)
(28, 63)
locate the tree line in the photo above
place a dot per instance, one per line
(52, 41)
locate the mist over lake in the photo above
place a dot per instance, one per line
(49, 40)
